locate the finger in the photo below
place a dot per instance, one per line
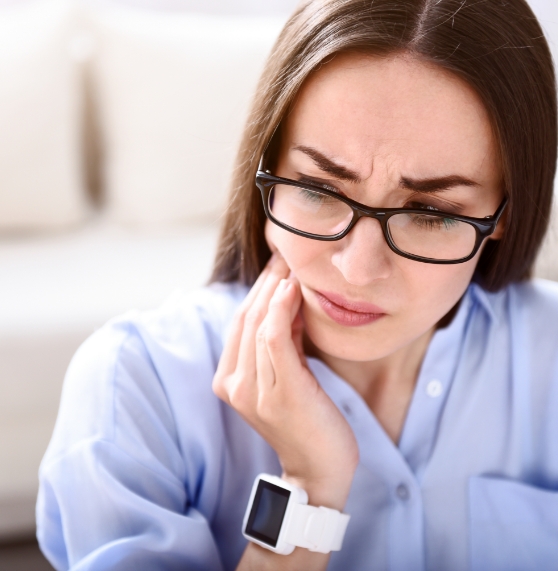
(264, 369)
(238, 374)
(297, 299)
(297, 326)
(229, 357)
(255, 315)
(283, 309)
(298, 337)
(258, 284)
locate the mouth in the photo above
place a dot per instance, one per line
(348, 313)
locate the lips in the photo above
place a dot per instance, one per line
(348, 313)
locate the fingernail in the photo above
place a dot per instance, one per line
(283, 286)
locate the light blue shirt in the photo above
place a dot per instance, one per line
(148, 470)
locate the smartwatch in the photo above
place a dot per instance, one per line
(279, 518)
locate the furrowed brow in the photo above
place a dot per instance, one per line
(329, 166)
(436, 184)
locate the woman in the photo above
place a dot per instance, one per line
(391, 360)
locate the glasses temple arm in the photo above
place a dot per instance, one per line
(500, 211)
(263, 158)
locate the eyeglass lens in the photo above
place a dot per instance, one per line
(424, 235)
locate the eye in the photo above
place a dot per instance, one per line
(427, 222)
(310, 196)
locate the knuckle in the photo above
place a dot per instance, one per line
(273, 339)
(236, 399)
(261, 334)
(254, 317)
(218, 387)
(239, 395)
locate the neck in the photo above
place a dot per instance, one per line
(386, 384)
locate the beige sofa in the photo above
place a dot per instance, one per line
(119, 127)
(122, 126)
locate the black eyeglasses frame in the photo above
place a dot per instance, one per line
(484, 227)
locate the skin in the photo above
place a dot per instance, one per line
(385, 120)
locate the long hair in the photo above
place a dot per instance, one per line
(495, 46)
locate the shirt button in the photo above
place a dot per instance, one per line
(402, 492)
(347, 409)
(434, 388)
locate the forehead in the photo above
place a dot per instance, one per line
(398, 109)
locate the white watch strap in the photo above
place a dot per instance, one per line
(317, 529)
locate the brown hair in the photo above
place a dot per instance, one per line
(496, 46)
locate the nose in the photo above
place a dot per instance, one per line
(363, 256)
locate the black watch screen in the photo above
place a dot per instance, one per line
(267, 513)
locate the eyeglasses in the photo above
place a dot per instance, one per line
(432, 237)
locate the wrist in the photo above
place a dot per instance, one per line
(327, 492)
(279, 518)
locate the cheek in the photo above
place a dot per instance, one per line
(430, 291)
(298, 252)
(435, 289)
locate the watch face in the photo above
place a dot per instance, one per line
(267, 513)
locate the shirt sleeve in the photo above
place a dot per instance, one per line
(116, 490)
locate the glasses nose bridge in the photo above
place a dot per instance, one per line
(378, 214)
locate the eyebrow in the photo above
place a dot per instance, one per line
(426, 185)
(327, 165)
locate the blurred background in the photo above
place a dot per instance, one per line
(119, 122)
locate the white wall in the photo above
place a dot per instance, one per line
(221, 7)
(547, 14)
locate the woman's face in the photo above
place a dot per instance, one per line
(382, 131)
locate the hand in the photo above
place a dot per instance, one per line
(263, 375)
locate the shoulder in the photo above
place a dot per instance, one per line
(140, 367)
(188, 325)
(190, 321)
(524, 322)
(538, 297)
(529, 301)
(523, 319)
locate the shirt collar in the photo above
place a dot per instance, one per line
(485, 300)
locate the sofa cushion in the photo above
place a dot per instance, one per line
(55, 292)
(172, 92)
(40, 150)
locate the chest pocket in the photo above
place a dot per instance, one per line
(513, 526)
